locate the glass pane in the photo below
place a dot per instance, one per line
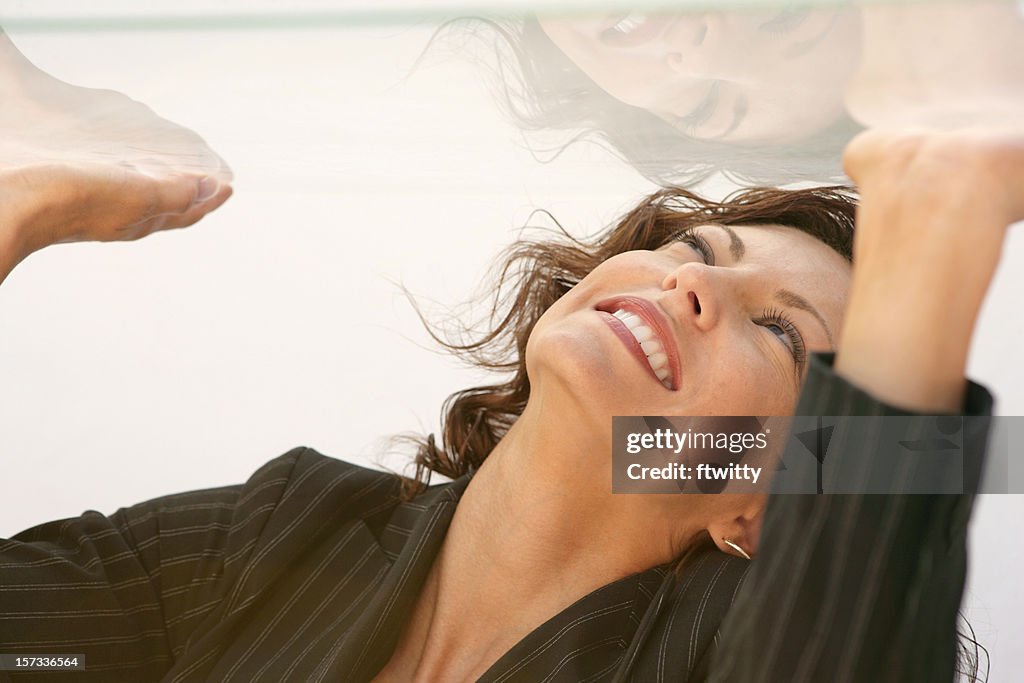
(382, 153)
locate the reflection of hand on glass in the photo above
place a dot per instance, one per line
(940, 65)
(84, 164)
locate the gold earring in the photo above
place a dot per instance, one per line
(735, 547)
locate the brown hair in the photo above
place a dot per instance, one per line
(533, 274)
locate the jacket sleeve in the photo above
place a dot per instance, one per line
(127, 590)
(855, 587)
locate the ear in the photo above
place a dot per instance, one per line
(742, 528)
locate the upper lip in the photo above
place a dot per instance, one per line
(651, 314)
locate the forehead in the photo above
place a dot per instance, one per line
(788, 247)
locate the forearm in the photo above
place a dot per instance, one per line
(929, 239)
(10, 246)
(906, 337)
(15, 212)
(7, 259)
(861, 586)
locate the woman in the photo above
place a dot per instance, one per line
(527, 567)
(765, 96)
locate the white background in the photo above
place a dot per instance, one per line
(186, 360)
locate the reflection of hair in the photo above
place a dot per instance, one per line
(532, 275)
(541, 89)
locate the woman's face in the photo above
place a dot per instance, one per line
(717, 322)
(742, 76)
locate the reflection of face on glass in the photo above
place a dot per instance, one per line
(742, 76)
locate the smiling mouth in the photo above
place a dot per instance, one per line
(644, 331)
(633, 28)
(652, 348)
(629, 23)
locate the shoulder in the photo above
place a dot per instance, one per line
(303, 479)
(297, 503)
(303, 463)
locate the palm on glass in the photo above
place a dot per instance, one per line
(80, 164)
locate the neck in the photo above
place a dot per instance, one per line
(536, 530)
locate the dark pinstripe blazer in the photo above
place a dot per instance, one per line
(308, 570)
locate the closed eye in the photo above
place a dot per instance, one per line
(692, 238)
(783, 328)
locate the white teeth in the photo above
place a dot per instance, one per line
(629, 23)
(657, 360)
(652, 348)
(642, 332)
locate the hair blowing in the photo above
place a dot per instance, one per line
(532, 274)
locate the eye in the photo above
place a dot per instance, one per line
(777, 330)
(692, 238)
(786, 21)
(784, 329)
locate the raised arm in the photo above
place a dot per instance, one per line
(860, 587)
(933, 216)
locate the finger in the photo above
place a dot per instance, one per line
(176, 195)
(198, 211)
(139, 197)
(175, 221)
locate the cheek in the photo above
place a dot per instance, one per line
(740, 380)
(562, 344)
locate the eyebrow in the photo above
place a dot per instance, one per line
(793, 299)
(804, 47)
(736, 246)
(785, 296)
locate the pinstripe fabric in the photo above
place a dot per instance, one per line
(308, 570)
(305, 573)
(856, 587)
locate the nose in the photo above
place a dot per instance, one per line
(683, 39)
(698, 292)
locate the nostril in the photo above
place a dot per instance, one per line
(701, 34)
(695, 302)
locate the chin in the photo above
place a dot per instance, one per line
(590, 370)
(577, 360)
